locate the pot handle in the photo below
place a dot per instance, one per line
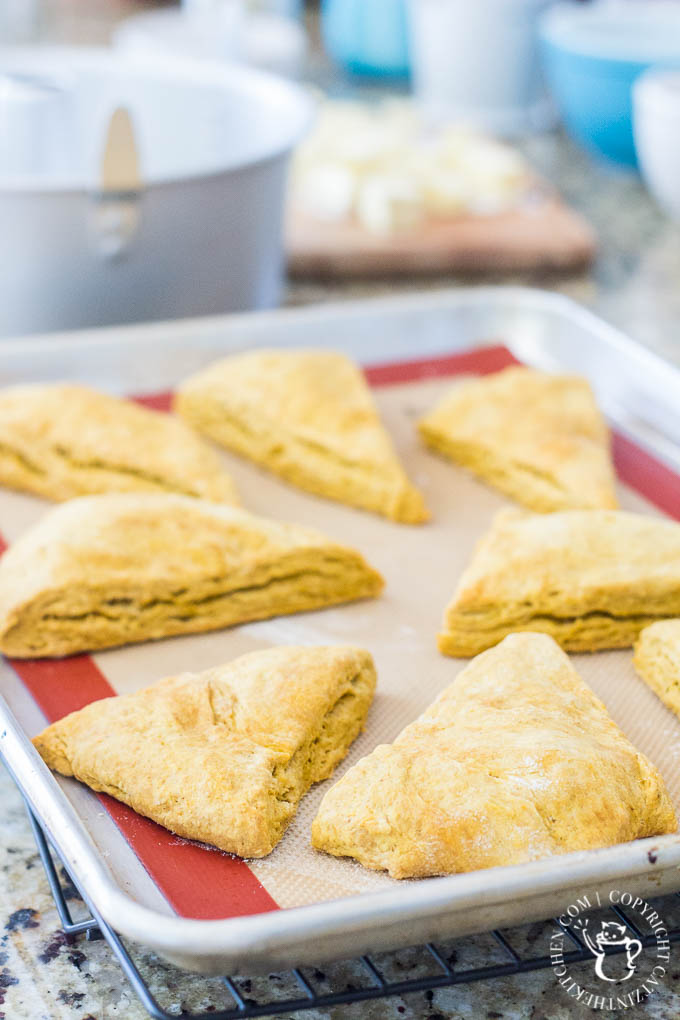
(115, 209)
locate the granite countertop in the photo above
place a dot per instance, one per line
(635, 284)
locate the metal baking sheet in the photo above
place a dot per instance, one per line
(640, 395)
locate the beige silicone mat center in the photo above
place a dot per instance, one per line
(421, 566)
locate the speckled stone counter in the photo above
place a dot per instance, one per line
(636, 285)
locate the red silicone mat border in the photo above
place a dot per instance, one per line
(221, 886)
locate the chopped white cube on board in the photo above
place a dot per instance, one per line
(329, 190)
(375, 165)
(388, 204)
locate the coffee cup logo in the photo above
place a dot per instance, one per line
(611, 935)
(624, 975)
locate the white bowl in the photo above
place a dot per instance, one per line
(213, 144)
(656, 128)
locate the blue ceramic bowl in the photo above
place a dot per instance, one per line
(367, 36)
(593, 53)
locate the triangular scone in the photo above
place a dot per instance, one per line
(109, 570)
(515, 761)
(309, 417)
(538, 438)
(222, 756)
(61, 440)
(657, 661)
(590, 578)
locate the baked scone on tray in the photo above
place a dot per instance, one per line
(592, 579)
(108, 570)
(222, 756)
(515, 761)
(657, 661)
(61, 440)
(309, 417)
(537, 437)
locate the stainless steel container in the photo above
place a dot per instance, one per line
(213, 143)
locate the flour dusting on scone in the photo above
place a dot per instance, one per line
(515, 761)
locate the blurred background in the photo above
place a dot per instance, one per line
(162, 160)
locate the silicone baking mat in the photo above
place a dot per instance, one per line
(421, 566)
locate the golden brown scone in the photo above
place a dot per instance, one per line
(108, 570)
(538, 438)
(222, 756)
(590, 578)
(60, 440)
(657, 661)
(516, 760)
(309, 417)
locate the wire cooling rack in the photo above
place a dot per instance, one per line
(307, 994)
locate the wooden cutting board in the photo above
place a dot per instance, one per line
(543, 234)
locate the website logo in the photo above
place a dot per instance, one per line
(622, 975)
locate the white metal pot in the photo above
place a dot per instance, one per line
(202, 232)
